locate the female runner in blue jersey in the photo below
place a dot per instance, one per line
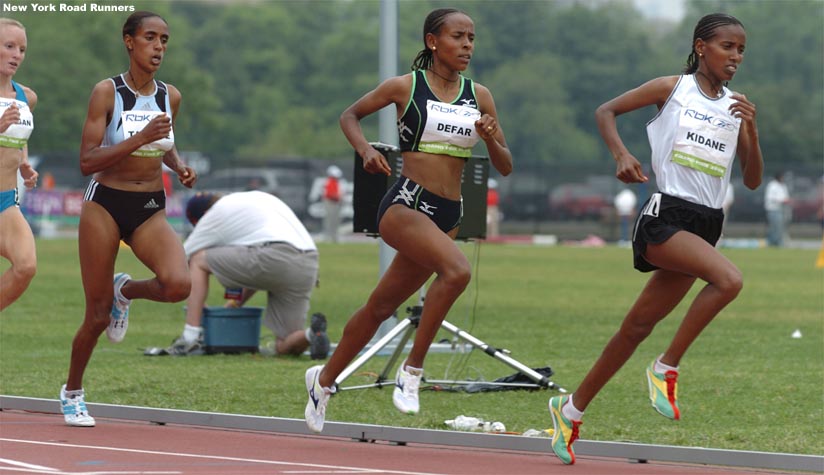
(700, 127)
(16, 124)
(441, 115)
(127, 137)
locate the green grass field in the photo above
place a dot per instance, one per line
(745, 384)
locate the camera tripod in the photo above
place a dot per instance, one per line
(406, 328)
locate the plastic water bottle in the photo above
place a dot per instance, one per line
(496, 427)
(233, 294)
(466, 423)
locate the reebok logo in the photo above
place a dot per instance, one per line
(151, 204)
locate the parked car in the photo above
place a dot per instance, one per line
(280, 182)
(579, 201)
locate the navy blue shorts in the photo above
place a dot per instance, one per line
(664, 215)
(445, 213)
(129, 209)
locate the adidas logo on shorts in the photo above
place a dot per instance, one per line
(151, 204)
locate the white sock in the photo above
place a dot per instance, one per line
(412, 370)
(191, 333)
(571, 412)
(661, 368)
(74, 393)
(309, 335)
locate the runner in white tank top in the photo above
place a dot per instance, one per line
(700, 127)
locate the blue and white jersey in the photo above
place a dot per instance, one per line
(133, 111)
(17, 135)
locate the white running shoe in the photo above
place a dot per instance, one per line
(74, 408)
(407, 383)
(119, 318)
(315, 412)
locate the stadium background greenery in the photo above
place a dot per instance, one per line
(746, 384)
(268, 79)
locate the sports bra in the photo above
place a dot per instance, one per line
(17, 135)
(432, 126)
(133, 111)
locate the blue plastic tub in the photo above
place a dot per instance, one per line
(231, 330)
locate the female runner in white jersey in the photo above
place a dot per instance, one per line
(16, 124)
(699, 129)
(126, 140)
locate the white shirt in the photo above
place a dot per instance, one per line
(775, 195)
(693, 140)
(246, 219)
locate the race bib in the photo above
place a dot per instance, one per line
(705, 141)
(449, 130)
(17, 135)
(134, 122)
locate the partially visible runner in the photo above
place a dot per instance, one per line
(16, 124)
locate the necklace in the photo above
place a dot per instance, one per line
(137, 89)
(445, 79)
(712, 86)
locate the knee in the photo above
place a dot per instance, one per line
(730, 283)
(456, 277)
(376, 312)
(24, 271)
(97, 315)
(635, 333)
(176, 288)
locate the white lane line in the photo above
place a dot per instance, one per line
(218, 457)
(27, 465)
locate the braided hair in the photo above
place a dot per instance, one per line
(705, 30)
(433, 23)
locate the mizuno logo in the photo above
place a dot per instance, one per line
(427, 208)
(402, 130)
(407, 196)
(151, 204)
(315, 400)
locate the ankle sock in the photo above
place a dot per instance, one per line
(412, 370)
(662, 368)
(570, 411)
(192, 333)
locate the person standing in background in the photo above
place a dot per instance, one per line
(625, 202)
(332, 199)
(776, 203)
(17, 103)
(493, 210)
